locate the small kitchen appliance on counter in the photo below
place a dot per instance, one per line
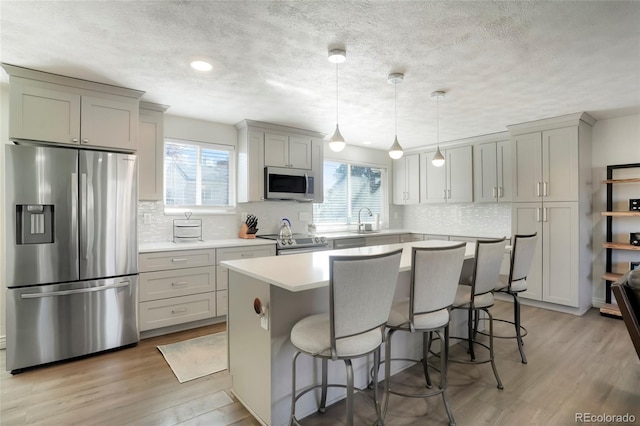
(187, 230)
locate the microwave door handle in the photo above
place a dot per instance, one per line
(306, 184)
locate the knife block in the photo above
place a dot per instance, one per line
(243, 232)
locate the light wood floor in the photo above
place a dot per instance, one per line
(576, 365)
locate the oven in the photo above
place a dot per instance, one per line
(298, 244)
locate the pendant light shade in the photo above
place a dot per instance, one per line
(395, 151)
(337, 143)
(438, 158)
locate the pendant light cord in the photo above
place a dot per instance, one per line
(438, 123)
(336, 93)
(395, 104)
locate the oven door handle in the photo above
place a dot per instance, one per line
(301, 250)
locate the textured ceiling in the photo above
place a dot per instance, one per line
(499, 62)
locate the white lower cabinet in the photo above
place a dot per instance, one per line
(222, 273)
(176, 287)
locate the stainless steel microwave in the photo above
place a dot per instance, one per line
(288, 184)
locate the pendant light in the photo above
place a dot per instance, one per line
(438, 159)
(336, 143)
(395, 151)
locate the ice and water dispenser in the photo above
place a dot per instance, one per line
(34, 223)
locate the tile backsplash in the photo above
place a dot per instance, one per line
(472, 219)
(491, 220)
(218, 226)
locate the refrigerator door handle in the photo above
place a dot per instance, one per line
(74, 207)
(77, 291)
(83, 219)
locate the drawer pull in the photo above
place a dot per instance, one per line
(180, 283)
(179, 311)
(247, 254)
(178, 260)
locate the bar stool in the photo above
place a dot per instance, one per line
(361, 290)
(522, 253)
(478, 296)
(434, 279)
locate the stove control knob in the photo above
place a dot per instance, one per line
(323, 239)
(316, 239)
(290, 242)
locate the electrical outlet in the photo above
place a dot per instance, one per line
(264, 321)
(304, 216)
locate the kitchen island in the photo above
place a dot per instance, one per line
(267, 296)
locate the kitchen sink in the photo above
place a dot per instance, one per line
(366, 232)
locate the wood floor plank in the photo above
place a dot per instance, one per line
(576, 364)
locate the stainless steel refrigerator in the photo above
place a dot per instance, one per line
(71, 253)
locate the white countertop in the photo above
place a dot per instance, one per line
(230, 242)
(305, 271)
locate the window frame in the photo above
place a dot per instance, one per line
(384, 185)
(179, 210)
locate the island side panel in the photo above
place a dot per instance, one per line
(249, 345)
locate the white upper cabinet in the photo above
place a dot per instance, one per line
(151, 151)
(451, 183)
(50, 108)
(493, 172)
(264, 144)
(42, 113)
(546, 165)
(287, 151)
(406, 180)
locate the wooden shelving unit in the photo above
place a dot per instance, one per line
(611, 309)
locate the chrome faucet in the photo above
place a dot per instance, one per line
(360, 223)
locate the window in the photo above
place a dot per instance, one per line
(347, 189)
(198, 174)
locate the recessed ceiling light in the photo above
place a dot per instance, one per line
(201, 65)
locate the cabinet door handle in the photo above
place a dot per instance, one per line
(500, 192)
(178, 260)
(74, 140)
(448, 193)
(85, 140)
(545, 187)
(544, 214)
(444, 194)
(180, 283)
(538, 189)
(494, 192)
(538, 214)
(179, 311)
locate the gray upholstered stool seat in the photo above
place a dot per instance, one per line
(399, 316)
(463, 298)
(311, 335)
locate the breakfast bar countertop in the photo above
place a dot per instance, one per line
(306, 271)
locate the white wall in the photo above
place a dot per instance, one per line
(4, 138)
(615, 141)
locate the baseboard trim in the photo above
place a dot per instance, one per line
(181, 327)
(543, 305)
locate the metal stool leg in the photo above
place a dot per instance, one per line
(470, 333)
(349, 367)
(426, 344)
(387, 371)
(323, 398)
(491, 355)
(293, 390)
(376, 399)
(516, 316)
(444, 363)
